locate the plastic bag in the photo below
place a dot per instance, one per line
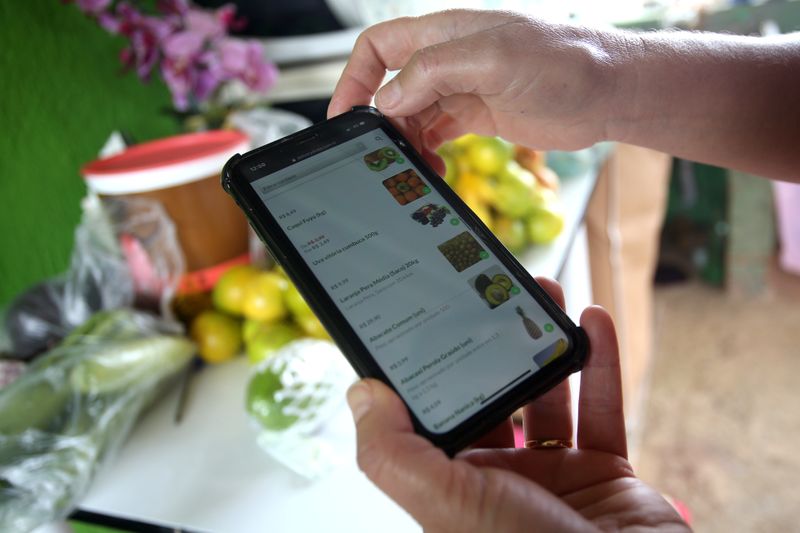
(124, 251)
(290, 398)
(73, 408)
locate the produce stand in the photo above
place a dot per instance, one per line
(208, 473)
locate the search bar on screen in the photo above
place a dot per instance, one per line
(324, 161)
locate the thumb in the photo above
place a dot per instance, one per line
(404, 465)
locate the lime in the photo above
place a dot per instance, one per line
(218, 336)
(295, 303)
(267, 338)
(228, 293)
(263, 401)
(263, 297)
(545, 224)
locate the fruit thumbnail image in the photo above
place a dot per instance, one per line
(382, 158)
(430, 214)
(531, 327)
(462, 251)
(406, 187)
(552, 352)
(494, 286)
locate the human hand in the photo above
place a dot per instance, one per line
(721, 99)
(493, 73)
(494, 487)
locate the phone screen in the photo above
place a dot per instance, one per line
(446, 322)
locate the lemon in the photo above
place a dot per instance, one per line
(228, 293)
(469, 183)
(451, 168)
(263, 297)
(218, 336)
(488, 155)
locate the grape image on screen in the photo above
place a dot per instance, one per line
(430, 214)
(462, 251)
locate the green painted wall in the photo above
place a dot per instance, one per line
(61, 94)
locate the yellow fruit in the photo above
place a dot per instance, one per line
(295, 303)
(451, 169)
(249, 329)
(511, 233)
(312, 327)
(462, 142)
(545, 224)
(483, 212)
(488, 155)
(516, 193)
(263, 299)
(228, 293)
(218, 336)
(480, 186)
(266, 339)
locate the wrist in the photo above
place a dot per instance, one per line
(624, 50)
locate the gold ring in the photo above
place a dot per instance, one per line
(548, 444)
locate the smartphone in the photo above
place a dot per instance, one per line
(411, 285)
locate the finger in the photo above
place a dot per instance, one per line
(552, 288)
(550, 415)
(406, 466)
(502, 436)
(601, 424)
(436, 162)
(389, 46)
(414, 129)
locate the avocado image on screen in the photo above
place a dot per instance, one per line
(495, 294)
(502, 279)
(481, 282)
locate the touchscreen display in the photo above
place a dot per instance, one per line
(448, 324)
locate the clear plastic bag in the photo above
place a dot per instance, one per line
(290, 398)
(74, 406)
(124, 252)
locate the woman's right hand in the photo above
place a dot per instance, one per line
(538, 84)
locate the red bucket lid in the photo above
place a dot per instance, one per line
(165, 162)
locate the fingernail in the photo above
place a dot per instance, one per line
(389, 95)
(359, 398)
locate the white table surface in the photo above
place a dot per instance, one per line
(208, 473)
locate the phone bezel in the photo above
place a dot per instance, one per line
(236, 178)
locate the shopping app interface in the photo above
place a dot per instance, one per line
(447, 323)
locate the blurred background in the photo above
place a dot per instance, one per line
(700, 266)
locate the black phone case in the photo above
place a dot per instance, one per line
(343, 334)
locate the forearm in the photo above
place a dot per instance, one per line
(725, 100)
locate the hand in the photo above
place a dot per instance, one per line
(504, 489)
(721, 99)
(492, 73)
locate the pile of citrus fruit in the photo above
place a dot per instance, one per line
(509, 187)
(255, 311)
